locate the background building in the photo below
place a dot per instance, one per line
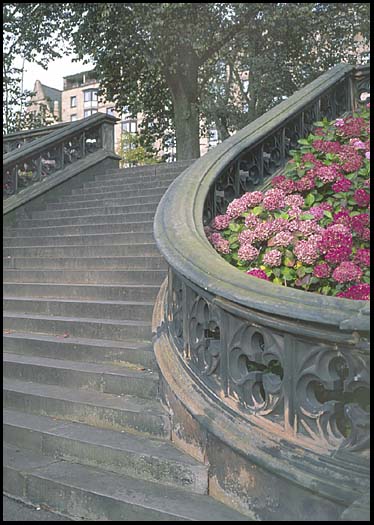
(79, 99)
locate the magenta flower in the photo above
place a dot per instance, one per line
(367, 155)
(342, 184)
(322, 270)
(256, 272)
(359, 292)
(347, 271)
(338, 255)
(362, 198)
(251, 221)
(362, 257)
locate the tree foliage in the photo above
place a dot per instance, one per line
(133, 151)
(179, 62)
(27, 35)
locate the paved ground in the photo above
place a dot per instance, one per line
(17, 511)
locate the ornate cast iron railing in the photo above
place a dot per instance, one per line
(43, 156)
(292, 362)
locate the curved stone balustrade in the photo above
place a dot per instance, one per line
(281, 363)
(44, 154)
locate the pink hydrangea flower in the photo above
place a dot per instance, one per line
(273, 199)
(221, 222)
(306, 251)
(247, 252)
(347, 271)
(251, 221)
(263, 231)
(283, 238)
(246, 236)
(253, 198)
(327, 146)
(367, 155)
(236, 208)
(219, 243)
(294, 200)
(272, 258)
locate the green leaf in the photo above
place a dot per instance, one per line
(306, 216)
(234, 227)
(309, 199)
(303, 141)
(327, 214)
(276, 280)
(257, 210)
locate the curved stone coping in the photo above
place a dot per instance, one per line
(56, 136)
(339, 477)
(180, 235)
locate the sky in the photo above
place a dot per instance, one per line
(53, 76)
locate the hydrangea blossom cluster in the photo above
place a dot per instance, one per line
(311, 229)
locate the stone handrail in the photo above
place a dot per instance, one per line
(18, 139)
(292, 362)
(49, 153)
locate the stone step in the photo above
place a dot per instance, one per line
(101, 194)
(41, 231)
(91, 493)
(106, 378)
(119, 353)
(130, 310)
(138, 187)
(111, 179)
(130, 292)
(132, 212)
(105, 202)
(92, 328)
(85, 277)
(155, 169)
(130, 193)
(87, 220)
(128, 413)
(120, 452)
(119, 250)
(90, 263)
(90, 238)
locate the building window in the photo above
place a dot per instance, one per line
(90, 95)
(89, 112)
(130, 126)
(110, 111)
(73, 118)
(73, 102)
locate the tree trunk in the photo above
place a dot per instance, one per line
(183, 87)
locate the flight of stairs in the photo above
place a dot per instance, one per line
(84, 431)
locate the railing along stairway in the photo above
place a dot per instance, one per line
(274, 447)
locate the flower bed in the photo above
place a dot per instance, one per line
(311, 229)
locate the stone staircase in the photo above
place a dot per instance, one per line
(84, 432)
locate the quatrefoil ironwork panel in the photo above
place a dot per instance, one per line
(256, 370)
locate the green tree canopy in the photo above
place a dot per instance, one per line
(177, 62)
